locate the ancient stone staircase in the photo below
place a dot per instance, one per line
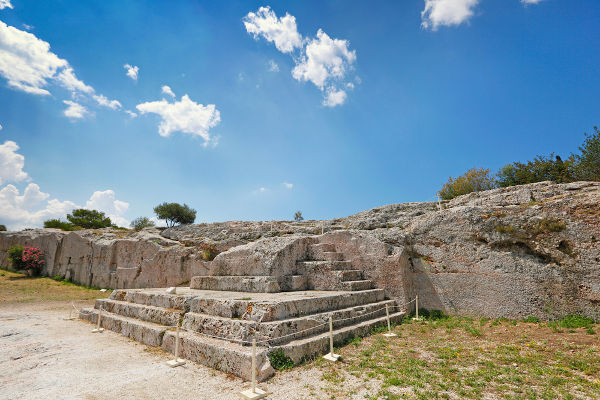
(221, 315)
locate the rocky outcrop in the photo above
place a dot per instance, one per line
(108, 258)
(531, 250)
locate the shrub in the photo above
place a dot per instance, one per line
(586, 165)
(474, 180)
(141, 222)
(298, 216)
(280, 361)
(576, 321)
(2, 228)
(505, 229)
(209, 252)
(549, 225)
(33, 260)
(58, 224)
(541, 168)
(175, 213)
(15, 255)
(89, 219)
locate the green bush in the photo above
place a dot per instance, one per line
(586, 165)
(298, 216)
(575, 321)
(2, 228)
(540, 169)
(89, 219)
(474, 180)
(140, 223)
(280, 361)
(33, 260)
(15, 255)
(549, 225)
(58, 224)
(175, 213)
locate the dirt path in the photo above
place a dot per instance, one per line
(43, 356)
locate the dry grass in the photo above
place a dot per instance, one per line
(458, 358)
(19, 288)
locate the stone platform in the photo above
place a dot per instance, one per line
(218, 326)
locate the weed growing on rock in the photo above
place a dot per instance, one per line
(280, 361)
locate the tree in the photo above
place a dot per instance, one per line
(175, 213)
(89, 219)
(474, 180)
(2, 228)
(586, 166)
(541, 168)
(141, 222)
(58, 224)
(298, 216)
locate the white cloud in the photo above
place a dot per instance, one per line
(28, 64)
(185, 116)
(167, 90)
(11, 163)
(131, 113)
(324, 59)
(28, 27)
(446, 12)
(132, 71)
(288, 185)
(5, 4)
(105, 102)
(75, 110)
(273, 67)
(1, 127)
(33, 207)
(531, 1)
(334, 97)
(106, 202)
(281, 31)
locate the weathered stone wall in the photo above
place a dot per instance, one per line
(103, 259)
(511, 252)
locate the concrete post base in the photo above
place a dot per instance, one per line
(331, 357)
(176, 363)
(258, 394)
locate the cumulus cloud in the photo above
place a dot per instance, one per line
(75, 110)
(334, 97)
(27, 63)
(322, 60)
(273, 67)
(105, 102)
(167, 90)
(106, 202)
(33, 207)
(281, 31)
(288, 185)
(11, 163)
(184, 116)
(5, 4)
(132, 71)
(446, 12)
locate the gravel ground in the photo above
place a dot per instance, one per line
(44, 356)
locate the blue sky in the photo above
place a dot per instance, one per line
(329, 107)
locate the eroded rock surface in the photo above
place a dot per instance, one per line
(511, 252)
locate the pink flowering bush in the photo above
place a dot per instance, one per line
(33, 260)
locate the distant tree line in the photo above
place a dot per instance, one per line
(582, 166)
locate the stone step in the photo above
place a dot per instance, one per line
(240, 329)
(306, 267)
(232, 358)
(357, 285)
(349, 275)
(314, 345)
(294, 282)
(333, 256)
(157, 315)
(141, 331)
(272, 307)
(315, 251)
(155, 297)
(252, 284)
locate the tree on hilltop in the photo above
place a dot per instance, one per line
(175, 213)
(89, 219)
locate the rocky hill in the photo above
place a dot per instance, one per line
(518, 251)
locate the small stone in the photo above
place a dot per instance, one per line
(172, 290)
